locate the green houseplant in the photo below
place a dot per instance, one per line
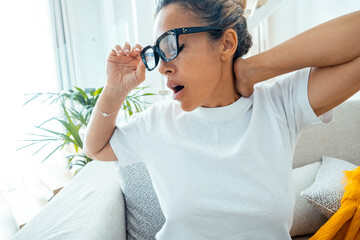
(76, 106)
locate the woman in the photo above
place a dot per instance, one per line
(220, 153)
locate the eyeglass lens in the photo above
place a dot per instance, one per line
(168, 49)
(150, 58)
(168, 46)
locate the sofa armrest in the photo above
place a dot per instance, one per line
(90, 206)
(8, 225)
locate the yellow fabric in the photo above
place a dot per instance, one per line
(345, 223)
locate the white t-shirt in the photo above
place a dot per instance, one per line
(226, 172)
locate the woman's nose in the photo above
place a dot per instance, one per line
(166, 68)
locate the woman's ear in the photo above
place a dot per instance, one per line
(228, 44)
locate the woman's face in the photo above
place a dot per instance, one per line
(198, 65)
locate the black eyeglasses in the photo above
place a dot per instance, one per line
(167, 46)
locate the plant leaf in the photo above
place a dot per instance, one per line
(72, 129)
(51, 153)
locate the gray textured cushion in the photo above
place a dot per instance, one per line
(326, 192)
(144, 217)
(307, 219)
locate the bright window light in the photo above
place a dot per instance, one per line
(27, 66)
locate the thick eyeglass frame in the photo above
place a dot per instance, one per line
(158, 53)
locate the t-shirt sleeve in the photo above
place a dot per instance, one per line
(127, 139)
(290, 100)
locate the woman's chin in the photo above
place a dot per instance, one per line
(188, 107)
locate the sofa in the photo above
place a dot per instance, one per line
(92, 205)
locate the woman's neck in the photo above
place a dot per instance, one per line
(225, 92)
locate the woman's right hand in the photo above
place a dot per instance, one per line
(244, 85)
(125, 69)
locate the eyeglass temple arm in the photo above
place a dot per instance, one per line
(195, 29)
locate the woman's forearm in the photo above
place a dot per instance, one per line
(100, 128)
(331, 43)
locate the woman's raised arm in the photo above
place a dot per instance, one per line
(332, 49)
(125, 70)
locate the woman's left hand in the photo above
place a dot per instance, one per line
(244, 85)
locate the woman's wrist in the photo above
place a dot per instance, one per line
(260, 68)
(250, 71)
(115, 92)
(253, 70)
(111, 99)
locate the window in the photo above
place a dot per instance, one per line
(28, 65)
(85, 38)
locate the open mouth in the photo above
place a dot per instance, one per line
(178, 88)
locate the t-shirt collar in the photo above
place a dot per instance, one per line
(224, 113)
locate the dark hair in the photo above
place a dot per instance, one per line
(226, 14)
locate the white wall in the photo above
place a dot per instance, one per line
(295, 16)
